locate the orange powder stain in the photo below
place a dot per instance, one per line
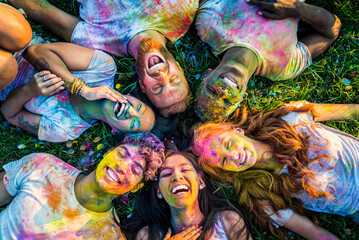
(70, 213)
(53, 196)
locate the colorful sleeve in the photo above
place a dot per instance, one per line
(294, 118)
(100, 72)
(281, 217)
(61, 128)
(17, 172)
(300, 60)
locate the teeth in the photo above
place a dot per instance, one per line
(113, 175)
(243, 157)
(121, 110)
(178, 188)
(157, 66)
(230, 82)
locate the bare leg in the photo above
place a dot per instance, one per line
(8, 68)
(59, 22)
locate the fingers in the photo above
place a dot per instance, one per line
(168, 235)
(55, 87)
(262, 4)
(115, 96)
(269, 15)
(193, 232)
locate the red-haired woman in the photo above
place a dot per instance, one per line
(294, 161)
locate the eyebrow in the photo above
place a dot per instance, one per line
(183, 164)
(127, 152)
(139, 165)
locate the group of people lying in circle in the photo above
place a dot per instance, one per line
(280, 163)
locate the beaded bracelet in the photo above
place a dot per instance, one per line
(77, 86)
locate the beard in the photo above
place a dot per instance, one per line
(148, 45)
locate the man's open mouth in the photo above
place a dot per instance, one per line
(154, 63)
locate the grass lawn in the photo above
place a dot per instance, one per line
(333, 78)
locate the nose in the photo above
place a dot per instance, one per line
(233, 155)
(176, 176)
(164, 78)
(131, 112)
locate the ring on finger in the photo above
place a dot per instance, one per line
(108, 91)
(44, 78)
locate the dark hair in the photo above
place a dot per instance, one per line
(155, 213)
(164, 126)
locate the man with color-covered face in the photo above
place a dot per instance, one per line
(49, 199)
(256, 37)
(139, 28)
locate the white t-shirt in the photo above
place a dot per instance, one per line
(45, 205)
(109, 25)
(342, 181)
(59, 121)
(224, 24)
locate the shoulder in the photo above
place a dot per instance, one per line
(143, 234)
(230, 217)
(234, 225)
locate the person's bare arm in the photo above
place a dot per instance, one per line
(325, 24)
(307, 229)
(235, 227)
(60, 58)
(328, 111)
(13, 106)
(5, 197)
(331, 111)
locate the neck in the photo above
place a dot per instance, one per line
(186, 217)
(265, 155)
(90, 196)
(241, 56)
(135, 41)
(87, 110)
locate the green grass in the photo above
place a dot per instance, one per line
(322, 82)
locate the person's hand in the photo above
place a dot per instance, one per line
(95, 93)
(45, 83)
(277, 9)
(191, 233)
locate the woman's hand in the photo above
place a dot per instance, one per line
(277, 9)
(95, 93)
(191, 233)
(45, 83)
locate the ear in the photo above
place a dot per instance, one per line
(137, 187)
(159, 195)
(142, 87)
(238, 130)
(201, 184)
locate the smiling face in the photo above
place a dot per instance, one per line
(161, 78)
(179, 182)
(134, 116)
(230, 151)
(120, 170)
(220, 92)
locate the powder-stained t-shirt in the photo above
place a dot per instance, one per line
(224, 24)
(45, 205)
(109, 25)
(342, 181)
(59, 121)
